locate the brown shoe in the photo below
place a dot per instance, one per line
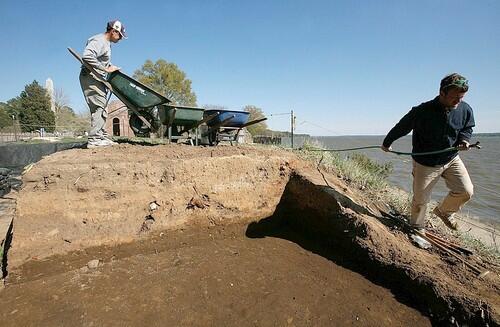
(449, 221)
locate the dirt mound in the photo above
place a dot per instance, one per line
(76, 201)
(82, 198)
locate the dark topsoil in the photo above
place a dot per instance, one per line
(201, 277)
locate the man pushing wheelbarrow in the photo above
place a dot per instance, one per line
(97, 54)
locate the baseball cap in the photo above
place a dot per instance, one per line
(454, 80)
(117, 25)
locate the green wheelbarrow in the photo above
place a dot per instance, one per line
(182, 122)
(142, 101)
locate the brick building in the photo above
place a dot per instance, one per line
(117, 123)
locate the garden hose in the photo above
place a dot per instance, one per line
(450, 149)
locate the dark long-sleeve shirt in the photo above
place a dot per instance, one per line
(434, 128)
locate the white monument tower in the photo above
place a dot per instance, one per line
(49, 86)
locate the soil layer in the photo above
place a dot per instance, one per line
(202, 277)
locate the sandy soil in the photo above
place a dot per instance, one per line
(80, 198)
(114, 203)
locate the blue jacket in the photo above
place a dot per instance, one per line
(434, 128)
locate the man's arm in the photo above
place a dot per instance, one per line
(92, 51)
(402, 128)
(465, 134)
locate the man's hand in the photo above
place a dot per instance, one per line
(463, 146)
(111, 69)
(386, 149)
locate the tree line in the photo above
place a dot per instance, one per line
(166, 78)
(31, 110)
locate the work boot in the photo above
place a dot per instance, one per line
(98, 142)
(108, 139)
(449, 221)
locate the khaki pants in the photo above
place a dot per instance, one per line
(424, 178)
(95, 96)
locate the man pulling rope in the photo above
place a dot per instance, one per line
(444, 122)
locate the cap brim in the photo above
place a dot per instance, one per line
(122, 35)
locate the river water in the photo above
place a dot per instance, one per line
(483, 166)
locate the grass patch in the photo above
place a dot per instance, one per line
(490, 253)
(141, 140)
(357, 169)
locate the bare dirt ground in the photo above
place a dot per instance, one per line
(221, 236)
(206, 277)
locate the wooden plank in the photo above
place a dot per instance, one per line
(444, 248)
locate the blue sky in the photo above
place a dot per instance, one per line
(344, 67)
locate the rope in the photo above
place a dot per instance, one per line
(476, 145)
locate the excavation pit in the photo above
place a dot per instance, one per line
(205, 277)
(241, 237)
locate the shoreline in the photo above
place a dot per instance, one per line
(489, 235)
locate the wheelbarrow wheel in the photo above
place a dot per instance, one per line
(137, 125)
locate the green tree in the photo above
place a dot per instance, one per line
(14, 107)
(34, 112)
(61, 102)
(256, 113)
(167, 79)
(5, 118)
(65, 115)
(68, 120)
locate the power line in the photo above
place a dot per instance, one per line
(487, 189)
(316, 125)
(279, 114)
(491, 230)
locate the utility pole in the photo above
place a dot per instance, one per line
(291, 126)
